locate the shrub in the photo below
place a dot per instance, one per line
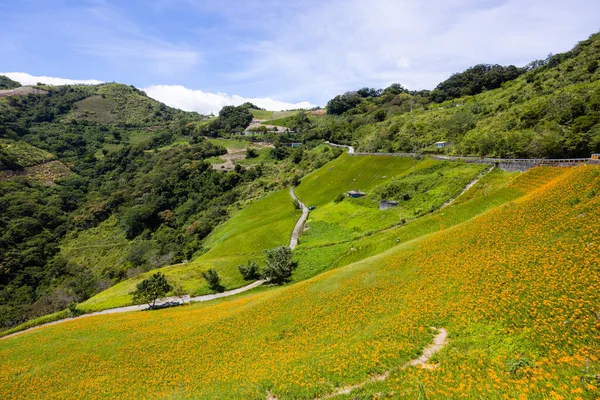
(515, 365)
(213, 279)
(249, 271)
(279, 265)
(149, 290)
(296, 180)
(339, 198)
(251, 153)
(75, 312)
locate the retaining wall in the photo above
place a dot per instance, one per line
(506, 164)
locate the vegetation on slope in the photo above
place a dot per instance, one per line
(492, 190)
(18, 155)
(517, 310)
(7, 83)
(550, 109)
(417, 193)
(135, 201)
(263, 225)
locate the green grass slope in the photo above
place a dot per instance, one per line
(262, 225)
(350, 173)
(120, 104)
(513, 287)
(104, 247)
(428, 189)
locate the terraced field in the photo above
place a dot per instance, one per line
(515, 288)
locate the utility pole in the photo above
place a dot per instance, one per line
(414, 138)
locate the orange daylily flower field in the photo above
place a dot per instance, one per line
(517, 289)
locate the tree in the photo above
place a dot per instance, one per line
(279, 265)
(235, 117)
(249, 271)
(149, 290)
(7, 83)
(251, 153)
(213, 279)
(340, 104)
(474, 80)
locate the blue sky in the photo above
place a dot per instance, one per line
(202, 54)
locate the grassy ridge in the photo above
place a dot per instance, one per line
(503, 293)
(350, 173)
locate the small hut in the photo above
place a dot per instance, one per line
(385, 204)
(355, 194)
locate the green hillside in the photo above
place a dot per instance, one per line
(345, 326)
(438, 278)
(260, 226)
(349, 173)
(549, 108)
(322, 249)
(17, 154)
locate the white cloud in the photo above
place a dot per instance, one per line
(27, 79)
(205, 102)
(347, 44)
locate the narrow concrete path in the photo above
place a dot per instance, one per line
(350, 148)
(469, 186)
(300, 224)
(181, 300)
(439, 341)
(186, 299)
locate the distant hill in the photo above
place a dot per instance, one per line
(549, 108)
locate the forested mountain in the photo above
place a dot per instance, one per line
(549, 108)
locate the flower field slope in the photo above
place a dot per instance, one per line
(493, 190)
(517, 289)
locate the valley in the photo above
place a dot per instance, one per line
(397, 243)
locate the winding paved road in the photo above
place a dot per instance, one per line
(293, 243)
(300, 224)
(141, 307)
(350, 148)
